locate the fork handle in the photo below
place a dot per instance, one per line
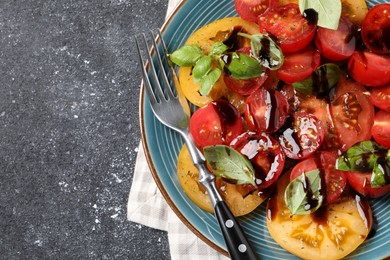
(236, 242)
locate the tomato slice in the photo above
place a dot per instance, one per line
(301, 137)
(332, 232)
(380, 97)
(292, 31)
(251, 9)
(376, 29)
(369, 69)
(219, 122)
(265, 154)
(299, 65)
(266, 110)
(337, 44)
(360, 182)
(381, 128)
(335, 180)
(352, 114)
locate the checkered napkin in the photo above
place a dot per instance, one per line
(147, 206)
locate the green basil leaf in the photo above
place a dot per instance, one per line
(268, 53)
(321, 81)
(303, 195)
(329, 11)
(208, 81)
(218, 48)
(201, 68)
(362, 157)
(378, 177)
(243, 66)
(186, 56)
(228, 163)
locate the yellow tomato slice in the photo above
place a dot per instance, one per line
(205, 37)
(239, 201)
(332, 232)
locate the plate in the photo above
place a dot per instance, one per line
(162, 146)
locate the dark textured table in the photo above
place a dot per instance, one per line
(69, 86)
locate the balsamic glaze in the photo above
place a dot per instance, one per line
(311, 16)
(233, 41)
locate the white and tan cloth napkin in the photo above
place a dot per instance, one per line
(147, 206)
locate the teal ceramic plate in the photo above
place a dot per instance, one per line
(163, 145)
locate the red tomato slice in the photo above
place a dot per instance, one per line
(292, 31)
(335, 180)
(360, 182)
(219, 122)
(251, 9)
(381, 128)
(302, 137)
(299, 65)
(376, 29)
(369, 69)
(266, 110)
(337, 44)
(265, 154)
(352, 114)
(380, 97)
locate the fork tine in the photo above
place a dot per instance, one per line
(145, 76)
(164, 74)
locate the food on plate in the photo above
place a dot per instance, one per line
(293, 101)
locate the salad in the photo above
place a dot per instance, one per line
(293, 110)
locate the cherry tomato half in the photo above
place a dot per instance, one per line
(266, 110)
(352, 114)
(337, 44)
(299, 65)
(302, 136)
(360, 182)
(335, 180)
(292, 31)
(381, 128)
(376, 29)
(251, 9)
(265, 154)
(219, 122)
(369, 69)
(380, 97)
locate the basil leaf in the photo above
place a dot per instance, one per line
(268, 53)
(303, 195)
(362, 157)
(329, 11)
(243, 66)
(378, 177)
(321, 81)
(186, 56)
(218, 48)
(201, 68)
(227, 163)
(208, 81)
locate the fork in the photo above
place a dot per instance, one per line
(166, 106)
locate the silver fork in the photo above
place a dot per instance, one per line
(167, 107)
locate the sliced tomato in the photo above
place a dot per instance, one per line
(380, 97)
(360, 182)
(337, 44)
(251, 9)
(292, 31)
(266, 110)
(352, 114)
(332, 232)
(219, 122)
(265, 154)
(335, 180)
(381, 128)
(369, 69)
(301, 137)
(376, 29)
(299, 65)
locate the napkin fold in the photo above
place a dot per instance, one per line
(147, 206)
